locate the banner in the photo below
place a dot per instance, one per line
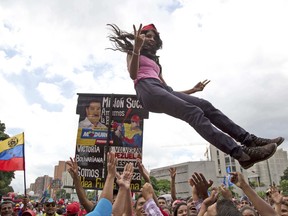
(12, 153)
(108, 122)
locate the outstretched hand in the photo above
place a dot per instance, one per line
(238, 179)
(111, 164)
(172, 171)
(124, 179)
(275, 195)
(139, 39)
(201, 85)
(226, 193)
(201, 184)
(73, 168)
(143, 171)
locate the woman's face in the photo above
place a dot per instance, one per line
(150, 42)
(182, 210)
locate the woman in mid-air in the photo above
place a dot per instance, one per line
(156, 96)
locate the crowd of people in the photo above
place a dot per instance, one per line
(49, 207)
(206, 199)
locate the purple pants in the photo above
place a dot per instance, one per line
(209, 122)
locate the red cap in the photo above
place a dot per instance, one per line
(135, 118)
(73, 208)
(29, 212)
(149, 27)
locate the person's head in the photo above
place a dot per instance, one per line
(6, 208)
(162, 202)
(73, 209)
(222, 207)
(248, 211)
(139, 211)
(244, 201)
(152, 41)
(135, 121)
(39, 206)
(175, 203)
(28, 212)
(180, 209)
(93, 111)
(191, 208)
(284, 208)
(50, 207)
(167, 210)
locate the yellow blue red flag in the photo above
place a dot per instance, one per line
(12, 153)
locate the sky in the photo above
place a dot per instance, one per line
(52, 50)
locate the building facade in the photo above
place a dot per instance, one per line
(184, 172)
(267, 172)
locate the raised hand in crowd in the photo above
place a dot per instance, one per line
(73, 171)
(260, 205)
(143, 171)
(201, 185)
(276, 197)
(172, 171)
(208, 202)
(226, 193)
(150, 206)
(123, 201)
(145, 174)
(104, 206)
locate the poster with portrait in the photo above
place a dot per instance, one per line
(108, 122)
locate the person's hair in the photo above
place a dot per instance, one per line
(6, 202)
(139, 196)
(177, 207)
(226, 207)
(161, 197)
(249, 208)
(122, 41)
(88, 102)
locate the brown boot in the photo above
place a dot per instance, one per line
(258, 141)
(256, 154)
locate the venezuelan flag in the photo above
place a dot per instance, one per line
(12, 153)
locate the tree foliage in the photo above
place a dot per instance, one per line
(163, 186)
(160, 186)
(3, 135)
(285, 175)
(5, 177)
(284, 187)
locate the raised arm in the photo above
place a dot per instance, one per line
(277, 198)
(198, 87)
(145, 174)
(104, 205)
(150, 207)
(109, 183)
(208, 202)
(260, 205)
(133, 58)
(201, 185)
(172, 171)
(73, 170)
(123, 200)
